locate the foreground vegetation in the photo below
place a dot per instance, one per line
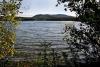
(8, 12)
(48, 57)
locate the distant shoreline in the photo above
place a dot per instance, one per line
(47, 17)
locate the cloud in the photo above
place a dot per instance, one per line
(33, 7)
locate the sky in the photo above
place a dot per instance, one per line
(34, 7)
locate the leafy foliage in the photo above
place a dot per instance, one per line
(86, 40)
(8, 23)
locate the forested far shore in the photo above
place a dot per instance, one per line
(47, 17)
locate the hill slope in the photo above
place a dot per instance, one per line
(47, 17)
(57, 17)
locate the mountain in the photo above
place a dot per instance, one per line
(47, 17)
(57, 17)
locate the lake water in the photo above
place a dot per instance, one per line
(30, 34)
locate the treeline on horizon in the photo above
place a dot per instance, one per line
(47, 17)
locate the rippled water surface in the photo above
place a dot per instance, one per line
(30, 34)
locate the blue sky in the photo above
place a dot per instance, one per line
(33, 7)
